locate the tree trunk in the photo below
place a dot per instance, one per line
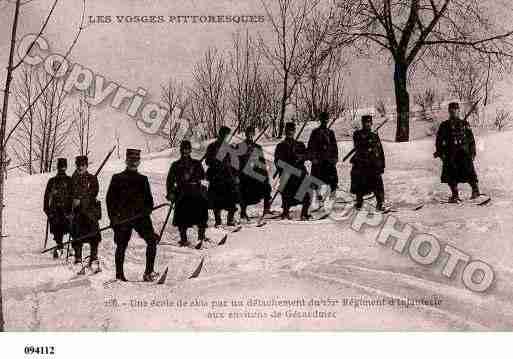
(3, 125)
(402, 100)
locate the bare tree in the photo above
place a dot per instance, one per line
(41, 136)
(208, 93)
(175, 97)
(426, 101)
(82, 129)
(414, 31)
(288, 24)
(502, 120)
(247, 99)
(11, 67)
(322, 85)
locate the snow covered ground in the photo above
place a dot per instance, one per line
(281, 276)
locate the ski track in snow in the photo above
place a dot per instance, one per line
(312, 260)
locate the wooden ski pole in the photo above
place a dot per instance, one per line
(46, 233)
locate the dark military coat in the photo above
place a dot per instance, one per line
(57, 203)
(184, 184)
(456, 146)
(368, 162)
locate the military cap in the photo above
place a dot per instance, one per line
(454, 105)
(290, 126)
(323, 116)
(185, 144)
(62, 162)
(133, 154)
(81, 160)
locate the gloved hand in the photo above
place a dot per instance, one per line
(436, 155)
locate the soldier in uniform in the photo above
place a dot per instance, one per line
(293, 153)
(323, 153)
(223, 180)
(129, 205)
(252, 189)
(57, 204)
(456, 147)
(184, 188)
(368, 165)
(86, 213)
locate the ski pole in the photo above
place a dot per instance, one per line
(46, 233)
(165, 221)
(109, 226)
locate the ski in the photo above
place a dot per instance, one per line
(480, 201)
(161, 279)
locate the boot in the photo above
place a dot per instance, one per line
(359, 202)
(150, 277)
(230, 220)
(183, 237)
(95, 266)
(243, 214)
(201, 234)
(304, 213)
(285, 214)
(119, 260)
(455, 198)
(475, 191)
(121, 277)
(217, 217)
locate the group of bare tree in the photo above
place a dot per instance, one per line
(45, 130)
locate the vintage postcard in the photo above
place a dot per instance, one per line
(270, 165)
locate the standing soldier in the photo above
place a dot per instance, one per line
(129, 205)
(86, 213)
(253, 190)
(368, 165)
(323, 153)
(57, 204)
(184, 188)
(293, 153)
(456, 146)
(223, 180)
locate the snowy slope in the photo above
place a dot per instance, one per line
(325, 260)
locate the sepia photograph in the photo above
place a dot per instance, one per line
(255, 166)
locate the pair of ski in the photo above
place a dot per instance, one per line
(482, 200)
(162, 278)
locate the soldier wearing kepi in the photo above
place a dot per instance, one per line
(184, 188)
(223, 180)
(323, 153)
(86, 213)
(254, 178)
(57, 204)
(368, 165)
(456, 146)
(293, 153)
(129, 205)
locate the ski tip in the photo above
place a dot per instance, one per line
(196, 273)
(223, 240)
(163, 277)
(486, 201)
